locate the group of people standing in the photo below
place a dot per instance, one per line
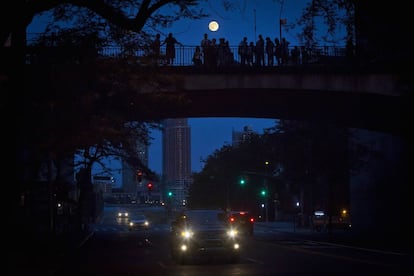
(170, 42)
(264, 52)
(213, 54)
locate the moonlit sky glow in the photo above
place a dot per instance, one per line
(248, 18)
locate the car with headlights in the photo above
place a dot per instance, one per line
(139, 222)
(243, 221)
(197, 234)
(123, 214)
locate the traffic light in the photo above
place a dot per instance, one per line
(139, 176)
(149, 186)
(169, 194)
(263, 192)
(243, 180)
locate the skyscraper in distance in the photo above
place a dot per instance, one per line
(241, 136)
(176, 161)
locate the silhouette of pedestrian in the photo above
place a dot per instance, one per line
(278, 51)
(211, 54)
(170, 42)
(205, 44)
(250, 54)
(270, 51)
(197, 57)
(284, 45)
(242, 51)
(155, 48)
(295, 55)
(260, 51)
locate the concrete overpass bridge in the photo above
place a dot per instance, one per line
(328, 88)
(370, 98)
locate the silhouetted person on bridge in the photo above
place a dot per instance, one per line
(284, 45)
(205, 44)
(155, 48)
(295, 55)
(198, 57)
(211, 55)
(260, 51)
(270, 51)
(278, 51)
(250, 54)
(242, 51)
(170, 42)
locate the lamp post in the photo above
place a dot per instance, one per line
(254, 14)
(265, 193)
(280, 20)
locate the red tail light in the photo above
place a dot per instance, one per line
(232, 219)
(251, 219)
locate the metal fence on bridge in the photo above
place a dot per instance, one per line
(183, 55)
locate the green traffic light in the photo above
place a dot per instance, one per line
(169, 193)
(263, 192)
(242, 182)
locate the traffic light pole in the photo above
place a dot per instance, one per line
(266, 199)
(265, 192)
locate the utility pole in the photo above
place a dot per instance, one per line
(280, 20)
(266, 185)
(254, 13)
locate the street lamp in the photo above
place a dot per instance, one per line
(281, 21)
(266, 188)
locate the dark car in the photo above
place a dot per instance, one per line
(123, 215)
(139, 222)
(243, 221)
(197, 234)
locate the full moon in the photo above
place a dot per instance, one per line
(213, 26)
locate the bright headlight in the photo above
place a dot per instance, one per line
(186, 234)
(232, 233)
(131, 224)
(146, 223)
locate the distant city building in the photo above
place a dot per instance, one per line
(241, 136)
(103, 183)
(176, 161)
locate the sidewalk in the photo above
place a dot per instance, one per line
(285, 226)
(345, 237)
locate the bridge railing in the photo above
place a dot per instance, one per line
(183, 55)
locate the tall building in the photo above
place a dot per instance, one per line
(176, 161)
(240, 136)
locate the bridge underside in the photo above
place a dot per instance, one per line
(378, 112)
(367, 111)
